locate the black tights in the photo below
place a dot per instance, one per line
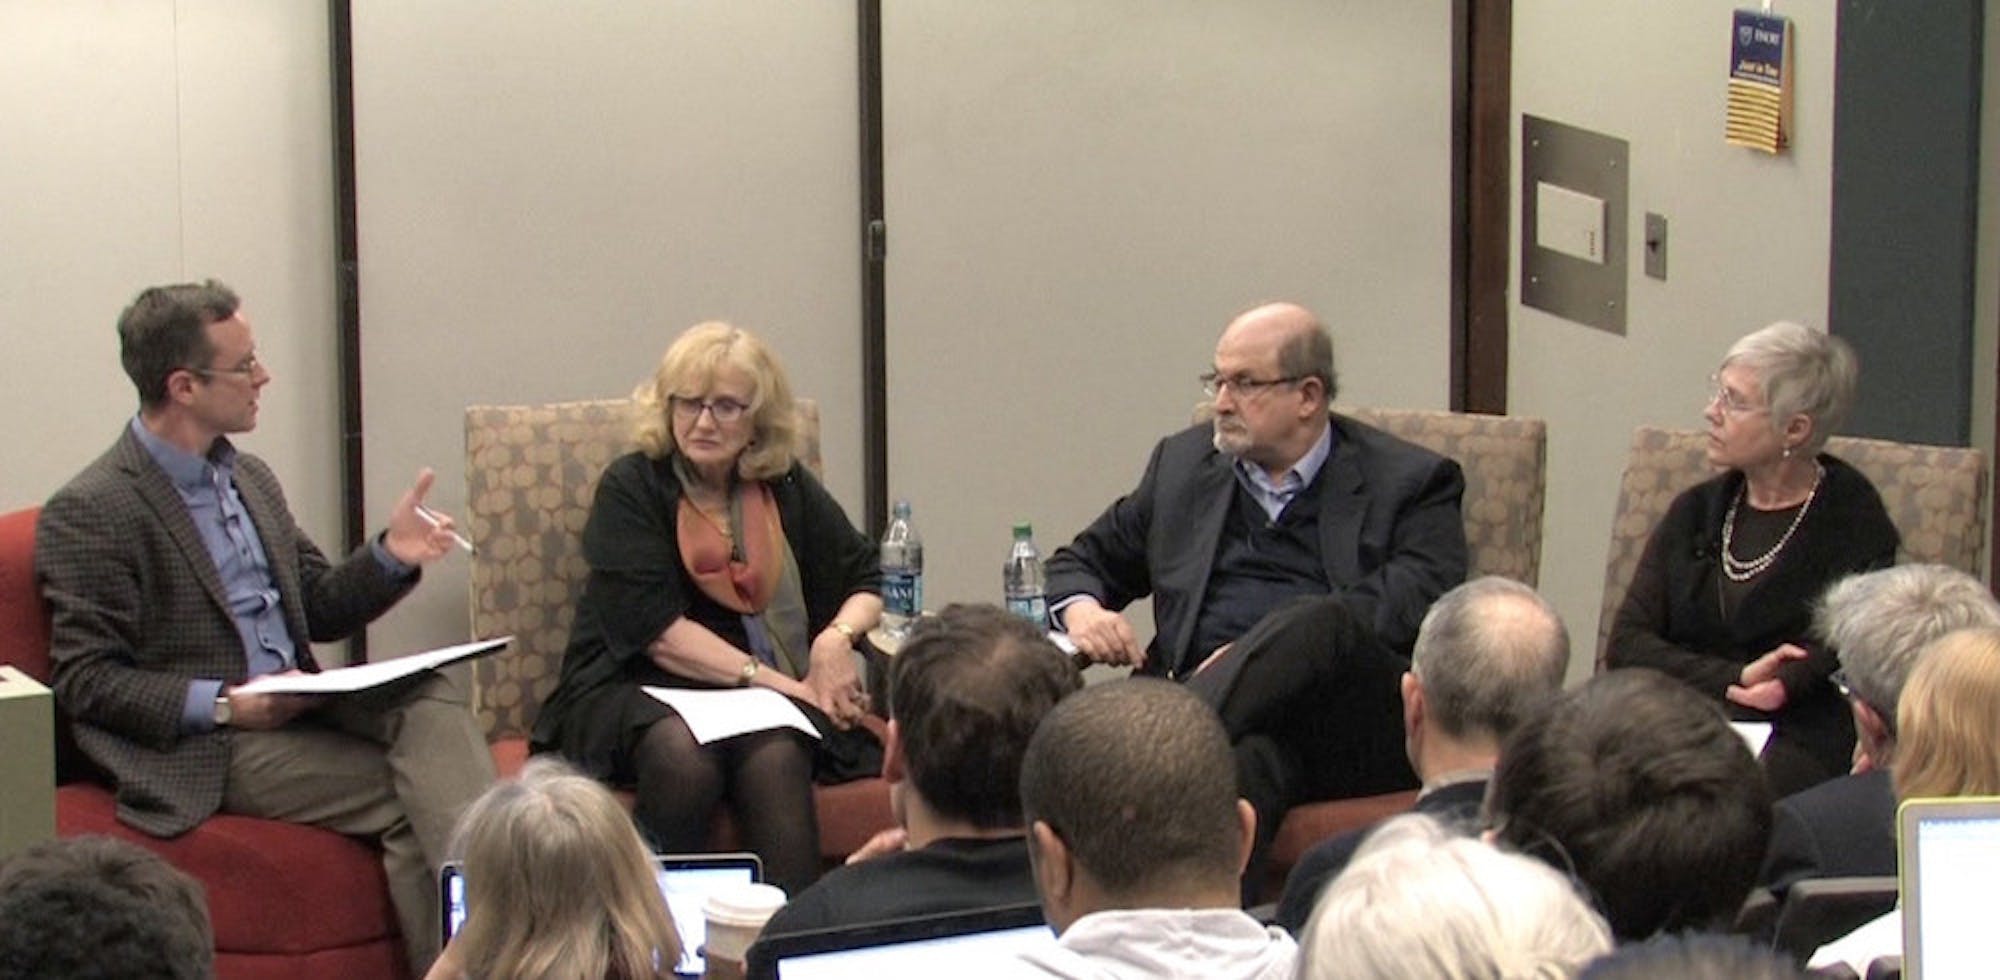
(767, 777)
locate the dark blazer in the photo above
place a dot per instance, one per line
(1841, 828)
(1391, 535)
(1455, 804)
(138, 610)
(1671, 619)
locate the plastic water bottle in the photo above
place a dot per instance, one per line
(1027, 584)
(902, 571)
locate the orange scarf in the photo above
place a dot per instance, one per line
(741, 578)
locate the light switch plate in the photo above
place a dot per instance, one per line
(1656, 245)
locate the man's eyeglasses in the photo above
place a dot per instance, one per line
(248, 369)
(722, 410)
(1732, 403)
(1244, 387)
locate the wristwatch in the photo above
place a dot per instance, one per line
(222, 711)
(748, 673)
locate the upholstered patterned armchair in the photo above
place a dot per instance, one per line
(1505, 459)
(1936, 495)
(530, 473)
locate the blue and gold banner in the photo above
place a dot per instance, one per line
(1760, 82)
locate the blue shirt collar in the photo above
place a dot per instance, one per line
(185, 469)
(1301, 473)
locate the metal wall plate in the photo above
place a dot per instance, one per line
(1590, 293)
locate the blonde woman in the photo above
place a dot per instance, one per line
(717, 560)
(1948, 719)
(557, 885)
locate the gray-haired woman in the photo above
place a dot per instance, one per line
(1723, 594)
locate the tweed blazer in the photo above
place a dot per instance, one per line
(137, 610)
(1392, 538)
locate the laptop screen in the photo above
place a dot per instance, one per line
(962, 945)
(1950, 858)
(685, 881)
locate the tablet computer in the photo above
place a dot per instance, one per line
(1948, 857)
(685, 881)
(964, 945)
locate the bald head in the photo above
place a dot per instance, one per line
(1272, 382)
(1490, 653)
(1288, 336)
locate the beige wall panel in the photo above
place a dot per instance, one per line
(550, 192)
(159, 142)
(1080, 195)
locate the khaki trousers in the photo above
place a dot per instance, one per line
(398, 764)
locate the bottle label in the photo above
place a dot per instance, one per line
(902, 593)
(1034, 609)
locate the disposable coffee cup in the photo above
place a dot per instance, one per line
(736, 915)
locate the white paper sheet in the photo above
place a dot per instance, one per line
(714, 715)
(1755, 734)
(360, 677)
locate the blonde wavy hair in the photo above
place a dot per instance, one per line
(690, 367)
(558, 884)
(1948, 719)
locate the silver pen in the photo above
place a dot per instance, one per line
(430, 517)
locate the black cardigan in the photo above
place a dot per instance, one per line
(637, 587)
(1672, 620)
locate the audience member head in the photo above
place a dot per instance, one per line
(1419, 901)
(1692, 956)
(1490, 653)
(97, 908)
(166, 330)
(1879, 621)
(1637, 785)
(1803, 371)
(693, 364)
(966, 692)
(558, 883)
(1948, 719)
(1129, 790)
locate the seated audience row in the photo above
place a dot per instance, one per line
(1947, 744)
(1882, 623)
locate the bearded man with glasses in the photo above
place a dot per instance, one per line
(1290, 553)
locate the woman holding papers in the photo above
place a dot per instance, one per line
(1723, 594)
(718, 561)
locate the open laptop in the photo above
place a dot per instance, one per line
(960, 945)
(1948, 856)
(685, 880)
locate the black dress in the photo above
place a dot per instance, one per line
(637, 587)
(1675, 618)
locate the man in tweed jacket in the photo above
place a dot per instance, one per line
(174, 571)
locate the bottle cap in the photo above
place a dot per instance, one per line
(1024, 530)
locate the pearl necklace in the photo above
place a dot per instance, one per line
(1739, 570)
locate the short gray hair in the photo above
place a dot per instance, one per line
(1419, 901)
(1308, 353)
(1489, 653)
(1804, 372)
(1879, 621)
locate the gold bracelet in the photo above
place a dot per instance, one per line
(844, 630)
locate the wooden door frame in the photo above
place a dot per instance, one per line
(1482, 167)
